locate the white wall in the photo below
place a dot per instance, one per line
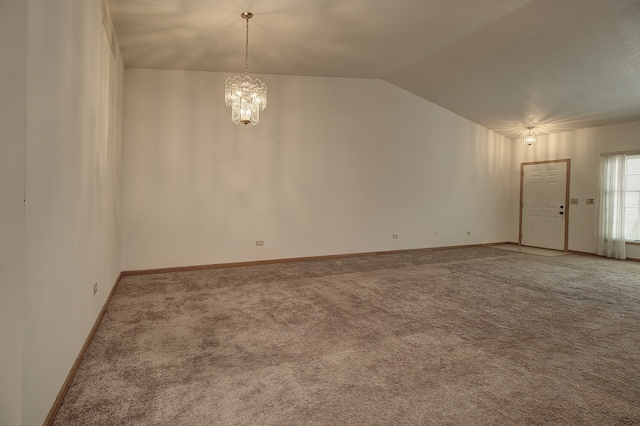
(73, 190)
(13, 90)
(583, 147)
(335, 166)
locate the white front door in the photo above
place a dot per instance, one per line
(544, 212)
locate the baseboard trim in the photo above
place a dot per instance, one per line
(74, 368)
(583, 253)
(135, 272)
(586, 253)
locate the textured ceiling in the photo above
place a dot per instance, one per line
(506, 64)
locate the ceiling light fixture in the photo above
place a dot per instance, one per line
(247, 97)
(530, 138)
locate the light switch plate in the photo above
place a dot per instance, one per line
(590, 201)
(575, 201)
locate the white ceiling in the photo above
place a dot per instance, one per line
(506, 64)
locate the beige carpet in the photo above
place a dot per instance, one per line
(461, 336)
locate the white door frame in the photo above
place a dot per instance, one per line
(566, 202)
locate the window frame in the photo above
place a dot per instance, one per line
(635, 157)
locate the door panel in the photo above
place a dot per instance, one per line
(543, 206)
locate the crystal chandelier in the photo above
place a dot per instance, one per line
(530, 138)
(247, 97)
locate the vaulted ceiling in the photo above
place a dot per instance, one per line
(505, 64)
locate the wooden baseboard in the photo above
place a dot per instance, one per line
(74, 368)
(440, 248)
(325, 257)
(586, 253)
(237, 264)
(291, 259)
(583, 253)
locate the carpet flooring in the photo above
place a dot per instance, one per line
(472, 335)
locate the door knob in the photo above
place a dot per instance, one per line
(561, 212)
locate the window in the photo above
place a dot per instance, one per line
(619, 203)
(632, 199)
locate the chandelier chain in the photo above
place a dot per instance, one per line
(246, 50)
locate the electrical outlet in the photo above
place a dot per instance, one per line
(259, 243)
(575, 201)
(395, 236)
(468, 232)
(95, 288)
(435, 233)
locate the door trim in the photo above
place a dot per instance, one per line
(566, 201)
